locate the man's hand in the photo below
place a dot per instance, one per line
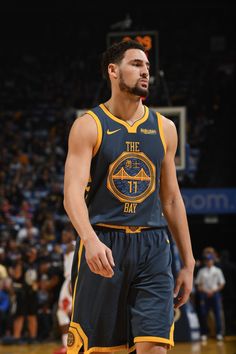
(183, 287)
(99, 257)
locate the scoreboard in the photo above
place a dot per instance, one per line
(149, 39)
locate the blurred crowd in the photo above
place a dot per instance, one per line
(31, 276)
(33, 223)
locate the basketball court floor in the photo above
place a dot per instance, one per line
(212, 347)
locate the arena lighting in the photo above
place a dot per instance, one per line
(211, 219)
(123, 25)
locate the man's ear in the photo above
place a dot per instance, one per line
(113, 71)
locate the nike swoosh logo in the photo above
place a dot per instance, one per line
(110, 132)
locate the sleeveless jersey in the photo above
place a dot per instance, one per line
(125, 170)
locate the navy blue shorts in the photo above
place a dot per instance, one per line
(135, 305)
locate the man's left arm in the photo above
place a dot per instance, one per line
(175, 214)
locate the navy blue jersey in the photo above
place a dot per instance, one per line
(125, 170)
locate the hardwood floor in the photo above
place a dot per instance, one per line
(212, 347)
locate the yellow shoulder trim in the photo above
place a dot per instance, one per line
(99, 128)
(160, 125)
(130, 128)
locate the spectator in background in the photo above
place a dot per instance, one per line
(52, 275)
(4, 296)
(48, 230)
(28, 233)
(5, 302)
(31, 297)
(44, 310)
(229, 292)
(3, 269)
(24, 274)
(16, 272)
(207, 250)
(209, 282)
(14, 252)
(211, 250)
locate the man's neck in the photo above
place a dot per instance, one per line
(127, 110)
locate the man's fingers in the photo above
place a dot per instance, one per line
(110, 257)
(100, 260)
(106, 265)
(182, 298)
(176, 290)
(97, 267)
(92, 266)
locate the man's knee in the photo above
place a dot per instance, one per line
(151, 348)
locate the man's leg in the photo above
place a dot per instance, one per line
(217, 307)
(18, 326)
(32, 326)
(151, 348)
(204, 311)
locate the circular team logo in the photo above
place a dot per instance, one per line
(132, 177)
(70, 339)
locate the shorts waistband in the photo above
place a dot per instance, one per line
(125, 228)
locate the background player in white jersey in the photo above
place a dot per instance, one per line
(65, 297)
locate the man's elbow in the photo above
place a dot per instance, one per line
(168, 204)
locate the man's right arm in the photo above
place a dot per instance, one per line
(82, 139)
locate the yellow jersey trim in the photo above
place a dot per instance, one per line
(168, 342)
(160, 125)
(78, 338)
(130, 128)
(99, 128)
(127, 229)
(105, 349)
(172, 333)
(76, 281)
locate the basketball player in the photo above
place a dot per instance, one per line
(65, 297)
(122, 284)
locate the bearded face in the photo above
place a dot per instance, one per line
(139, 89)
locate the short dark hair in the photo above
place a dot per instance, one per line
(115, 53)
